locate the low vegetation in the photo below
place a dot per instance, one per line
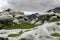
(14, 35)
(56, 34)
(58, 23)
(55, 20)
(23, 25)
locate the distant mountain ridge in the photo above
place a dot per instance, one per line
(55, 10)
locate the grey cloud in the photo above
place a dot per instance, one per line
(33, 5)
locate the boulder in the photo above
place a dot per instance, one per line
(53, 17)
(19, 16)
(15, 21)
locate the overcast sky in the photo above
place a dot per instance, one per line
(3, 4)
(30, 5)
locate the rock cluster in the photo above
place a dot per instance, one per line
(15, 16)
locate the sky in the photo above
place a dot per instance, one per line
(3, 4)
(30, 5)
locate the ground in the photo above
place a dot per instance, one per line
(23, 25)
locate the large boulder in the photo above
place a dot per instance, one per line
(4, 19)
(19, 16)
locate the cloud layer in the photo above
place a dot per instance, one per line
(34, 5)
(30, 5)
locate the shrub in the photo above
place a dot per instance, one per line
(56, 34)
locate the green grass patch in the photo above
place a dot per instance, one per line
(56, 34)
(23, 25)
(14, 35)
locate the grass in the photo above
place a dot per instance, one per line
(14, 35)
(23, 25)
(56, 34)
